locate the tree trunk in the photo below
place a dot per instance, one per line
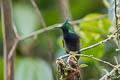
(8, 38)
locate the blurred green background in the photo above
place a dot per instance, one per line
(32, 55)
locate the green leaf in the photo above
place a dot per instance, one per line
(83, 65)
(25, 18)
(91, 33)
(26, 21)
(33, 69)
(96, 26)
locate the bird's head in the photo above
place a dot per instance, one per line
(66, 27)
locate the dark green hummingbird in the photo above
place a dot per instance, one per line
(71, 40)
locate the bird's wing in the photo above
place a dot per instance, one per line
(63, 43)
(64, 46)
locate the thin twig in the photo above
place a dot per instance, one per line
(116, 60)
(99, 43)
(50, 46)
(37, 32)
(11, 53)
(89, 56)
(116, 23)
(8, 38)
(38, 12)
(87, 20)
(16, 32)
(111, 74)
(63, 7)
(55, 25)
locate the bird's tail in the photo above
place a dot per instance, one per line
(78, 57)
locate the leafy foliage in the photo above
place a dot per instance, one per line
(33, 69)
(27, 21)
(83, 65)
(92, 32)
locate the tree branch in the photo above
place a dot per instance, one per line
(63, 8)
(50, 46)
(89, 56)
(112, 75)
(55, 25)
(99, 43)
(116, 23)
(11, 53)
(38, 13)
(87, 20)
(89, 47)
(8, 38)
(15, 32)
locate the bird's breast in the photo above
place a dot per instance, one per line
(72, 42)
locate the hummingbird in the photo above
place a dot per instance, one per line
(71, 40)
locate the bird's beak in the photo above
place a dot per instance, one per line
(58, 26)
